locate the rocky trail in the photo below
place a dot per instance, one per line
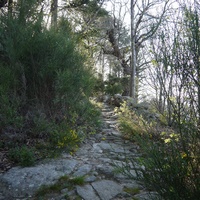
(96, 160)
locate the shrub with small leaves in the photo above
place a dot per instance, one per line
(169, 163)
(130, 123)
(65, 138)
(22, 155)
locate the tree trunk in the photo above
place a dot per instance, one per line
(198, 61)
(133, 53)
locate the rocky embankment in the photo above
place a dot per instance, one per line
(97, 160)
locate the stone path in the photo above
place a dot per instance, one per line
(96, 160)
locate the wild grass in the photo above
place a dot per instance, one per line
(170, 161)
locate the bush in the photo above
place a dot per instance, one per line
(112, 89)
(22, 155)
(76, 125)
(65, 138)
(132, 124)
(44, 79)
(99, 86)
(170, 161)
(9, 102)
(113, 86)
(173, 173)
(9, 115)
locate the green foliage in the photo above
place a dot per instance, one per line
(65, 138)
(45, 83)
(113, 86)
(131, 124)
(48, 189)
(116, 85)
(75, 125)
(170, 161)
(88, 8)
(9, 103)
(99, 86)
(41, 125)
(9, 112)
(43, 62)
(170, 171)
(22, 155)
(112, 89)
(89, 115)
(77, 180)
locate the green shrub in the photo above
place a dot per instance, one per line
(170, 171)
(170, 161)
(45, 85)
(9, 102)
(89, 115)
(98, 86)
(65, 135)
(113, 85)
(22, 155)
(66, 138)
(41, 125)
(116, 85)
(115, 88)
(43, 70)
(131, 124)
(9, 112)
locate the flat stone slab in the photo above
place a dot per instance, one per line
(108, 170)
(111, 121)
(83, 170)
(147, 196)
(87, 192)
(116, 133)
(109, 147)
(25, 181)
(107, 189)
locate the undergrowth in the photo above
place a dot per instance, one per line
(170, 160)
(45, 86)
